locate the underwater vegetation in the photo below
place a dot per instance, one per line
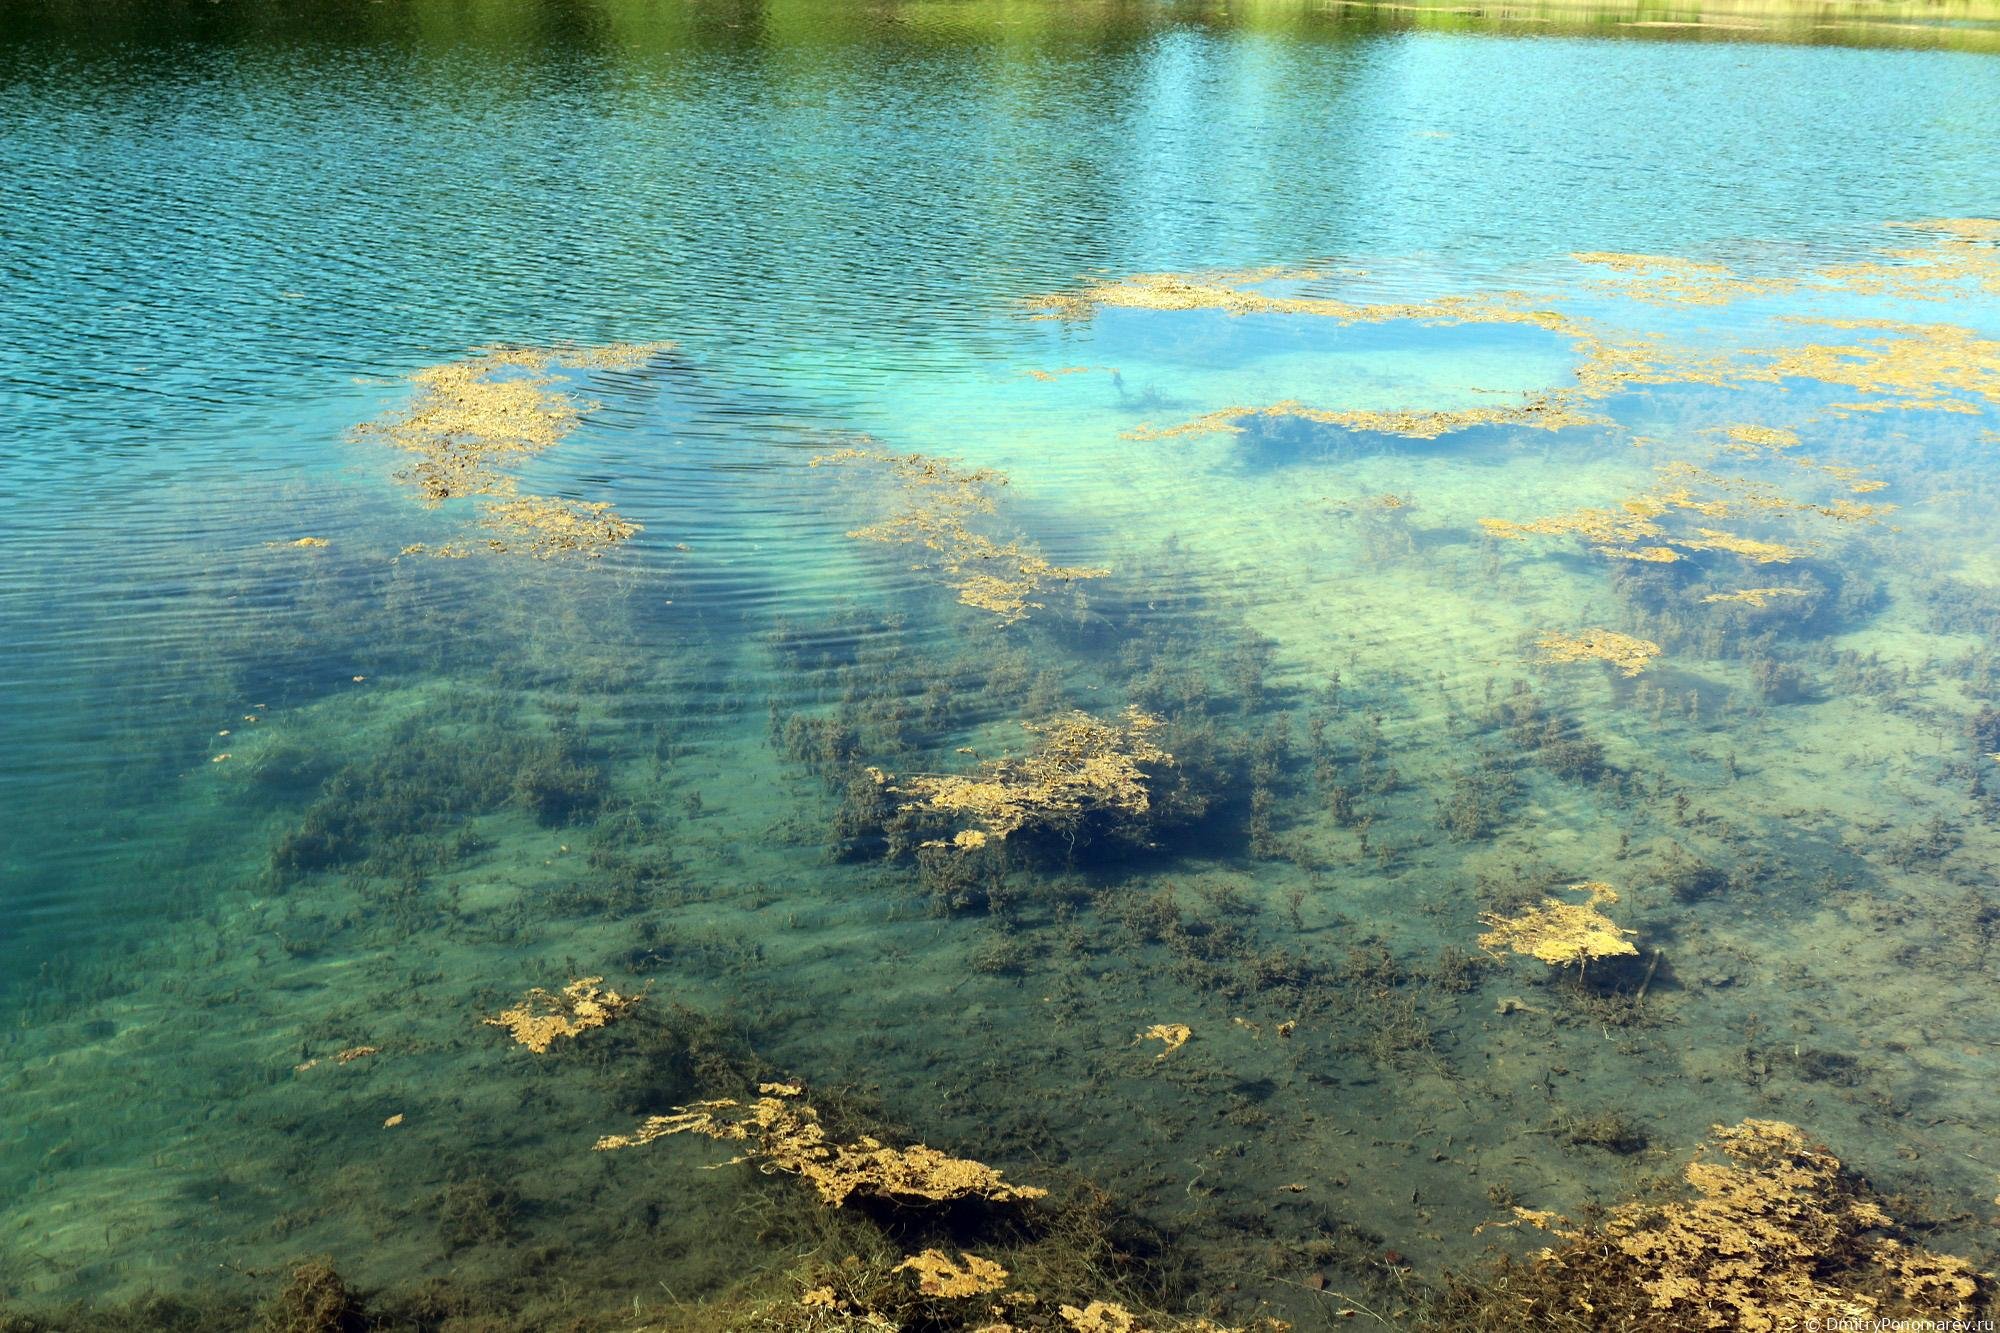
(1536, 414)
(1081, 769)
(542, 1016)
(469, 421)
(403, 807)
(1900, 366)
(1630, 655)
(1235, 292)
(1561, 933)
(781, 1134)
(942, 857)
(1773, 1232)
(940, 504)
(1634, 529)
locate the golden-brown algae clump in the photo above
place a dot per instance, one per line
(470, 420)
(1909, 367)
(1962, 254)
(1561, 933)
(546, 528)
(939, 505)
(1110, 1317)
(1548, 412)
(1670, 280)
(1775, 1236)
(1080, 765)
(1630, 655)
(1754, 596)
(1233, 292)
(541, 1017)
(1174, 1035)
(939, 1275)
(1754, 437)
(1646, 526)
(785, 1135)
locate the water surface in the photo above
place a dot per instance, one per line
(266, 803)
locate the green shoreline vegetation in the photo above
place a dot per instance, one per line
(1965, 25)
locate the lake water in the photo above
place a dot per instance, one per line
(926, 541)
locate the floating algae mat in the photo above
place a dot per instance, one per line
(946, 668)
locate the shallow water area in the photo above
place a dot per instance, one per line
(1302, 626)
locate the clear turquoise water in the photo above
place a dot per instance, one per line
(228, 237)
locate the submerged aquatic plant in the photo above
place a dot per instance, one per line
(470, 420)
(545, 527)
(541, 1016)
(1775, 1235)
(1672, 280)
(1080, 766)
(1543, 412)
(1638, 527)
(1630, 655)
(1235, 292)
(940, 503)
(1172, 1035)
(781, 1134)
(938, 1274)
(1561, 933)
(1758, 597)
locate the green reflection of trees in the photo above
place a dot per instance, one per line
(645, 29)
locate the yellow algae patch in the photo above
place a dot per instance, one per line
(940, 503)
(1607, 366)
(469, 420)
(1774, 1235)
(1960, 229)
(1762, 437)
(305, 543)
(1231, 291)
(1174, 1035)
(545, 527)
(1757, 496)
(1628, 654)
(1553, 412)
(784, 1135)
(541, 1017)
(1080, 765)
(939, 1275)
(1631, 522)
(1561, 933)
(1849, 477)
(1754, 596)
(1635, 529)
(1101, 1317)
(1961, 254)
(1668, 280)
(1749, 548)
(1047, 376)
(1109, 1317)
(1651, 555)
(1911, 367)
